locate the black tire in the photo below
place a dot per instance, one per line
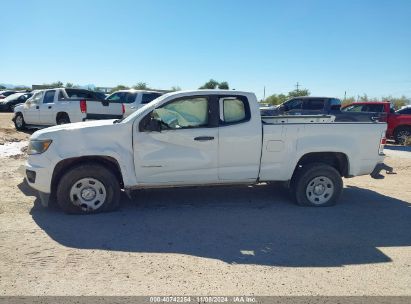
(83, 172)
(62, 119)
(19, 122)
(306, 177)
(401, 133)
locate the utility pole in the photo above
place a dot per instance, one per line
(297, 86)
(264, 93)
(345, 95)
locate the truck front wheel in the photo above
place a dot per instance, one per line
(317, 185)
(88, 189)
(19, 122)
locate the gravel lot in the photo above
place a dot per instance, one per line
(209, 241)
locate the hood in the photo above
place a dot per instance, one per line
(51, 132)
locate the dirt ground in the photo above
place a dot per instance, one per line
(209, 241)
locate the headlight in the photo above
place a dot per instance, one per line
(38, 146)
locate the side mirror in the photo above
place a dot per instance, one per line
(153, 125)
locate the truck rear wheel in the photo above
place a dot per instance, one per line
(88, 189)
(62, 119)
(401, 134)
(317, 185)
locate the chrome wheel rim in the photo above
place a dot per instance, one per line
(19, 121)
(88, 193)
(320, 190)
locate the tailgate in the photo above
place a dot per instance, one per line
(102, 109)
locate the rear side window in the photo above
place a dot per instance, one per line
(313, 104)
(149, 97)
(335, 104)
(129, 97)
(234, 110)
(373, 108)
(79, 94)
(49, 97)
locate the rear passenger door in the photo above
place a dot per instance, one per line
(239, 140)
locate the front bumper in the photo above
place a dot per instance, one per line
(376, 173)
(41, 180)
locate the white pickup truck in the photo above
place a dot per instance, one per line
(133, 99)
(61, 106)
(196, 138)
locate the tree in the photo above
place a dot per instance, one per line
(175, 88)
(348, 101)
(398, 102)
(69, 85)
(140, 86)
(118, 88)
(211, 84)
(276, 99)
(363, 98)
(297, 93)
(223, 85)
(2, 87)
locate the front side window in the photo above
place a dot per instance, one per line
(183, 113)
(293, 104)
(49, 97)
(115, 97)
(37, 97)
(234, 110)
(353, 108)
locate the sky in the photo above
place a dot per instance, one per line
(329, 47)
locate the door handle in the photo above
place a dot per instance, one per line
(204, 138)
(37, 107)
(50, 107)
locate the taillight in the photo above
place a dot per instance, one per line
(383, 141)
(83, 106)
(123, 108)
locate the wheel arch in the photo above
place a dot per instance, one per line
(66, 164)
(62, 114)
(337, 160)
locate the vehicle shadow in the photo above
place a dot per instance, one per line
(398, 148)
(242, 225)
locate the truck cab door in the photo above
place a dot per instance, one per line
(177, 143)
(240, 140)
(32, 109)
(47, 115)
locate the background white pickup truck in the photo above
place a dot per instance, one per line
(60, 106)
(133, 99)
(204, 137)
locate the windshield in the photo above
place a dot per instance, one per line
(144, 108)
(12, 96)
